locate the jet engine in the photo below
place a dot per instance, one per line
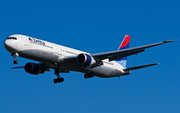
(85, 59)
(33, 68)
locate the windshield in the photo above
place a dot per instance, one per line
(12, 38)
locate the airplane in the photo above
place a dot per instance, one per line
(64, 59)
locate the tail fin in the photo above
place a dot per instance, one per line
(124, 45)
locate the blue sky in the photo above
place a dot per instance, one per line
(94, 26)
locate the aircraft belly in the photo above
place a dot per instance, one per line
(103, 71)
(106, 72)
(39, 55)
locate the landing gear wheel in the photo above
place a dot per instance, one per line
(14, 56)
(58, 80)
(55, 81)
(88, 75)
(85, 76)
(15, 62)
(62, 79)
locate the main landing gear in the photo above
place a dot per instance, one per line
(14, 56)
(59, 79)
(88, 75)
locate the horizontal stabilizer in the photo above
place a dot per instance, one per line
(139, 67)
(17, 67)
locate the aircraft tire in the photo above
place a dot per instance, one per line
(58, 80)
(61, 79)
(15, 62)
(55, 81)
(88, 75)
(85, 76)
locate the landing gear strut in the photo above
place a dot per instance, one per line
(59, 79)
(14, 56)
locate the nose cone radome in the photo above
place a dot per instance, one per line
(6, 44)
(9, 45)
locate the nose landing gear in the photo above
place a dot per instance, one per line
(14, 56)
(15, 61)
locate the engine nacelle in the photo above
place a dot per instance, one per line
(33, 68)
(85, 59)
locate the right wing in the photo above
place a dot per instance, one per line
(113, 55)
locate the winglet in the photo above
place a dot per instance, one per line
(169, 41)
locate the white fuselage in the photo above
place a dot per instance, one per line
(50, 53)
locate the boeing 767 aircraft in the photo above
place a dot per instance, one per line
(64, 59)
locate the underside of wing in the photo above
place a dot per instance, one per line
(37, 68)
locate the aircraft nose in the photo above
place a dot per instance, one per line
(8, 45)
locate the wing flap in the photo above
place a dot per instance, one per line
(122, 55)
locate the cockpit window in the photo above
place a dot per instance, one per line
(12, 38)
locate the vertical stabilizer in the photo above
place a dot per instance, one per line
(124, 45)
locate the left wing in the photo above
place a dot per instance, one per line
(113, 55)
(42, 67)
